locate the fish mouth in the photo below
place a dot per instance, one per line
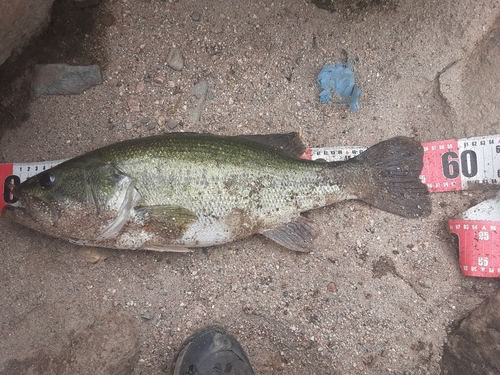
(52, 209)
(31, 206)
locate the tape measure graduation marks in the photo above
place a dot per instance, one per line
(456, 164)
(14, 173)
(453, 165)
(448, 165)
(478, 246)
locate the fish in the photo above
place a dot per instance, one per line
(181, 191)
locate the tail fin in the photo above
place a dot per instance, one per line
(394, 167)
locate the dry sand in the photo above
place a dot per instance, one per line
(378, 293)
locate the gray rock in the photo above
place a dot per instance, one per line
(172, 124)
(473, 348)
(175, 59)
(20, 21)
(200, 93)
(196, 16)
(63, 79)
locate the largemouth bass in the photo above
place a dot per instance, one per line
(184, 190)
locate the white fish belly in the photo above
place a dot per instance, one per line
(206, 232)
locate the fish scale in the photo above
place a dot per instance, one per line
(165, 184)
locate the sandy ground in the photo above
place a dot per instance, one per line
(379, 292)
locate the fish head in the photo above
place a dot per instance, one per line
(36, 196)
(50, 198)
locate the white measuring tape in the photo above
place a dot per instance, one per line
(15, 173)
(449, 165)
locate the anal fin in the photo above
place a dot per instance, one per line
(296, 235)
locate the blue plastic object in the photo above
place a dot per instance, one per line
(340, 78)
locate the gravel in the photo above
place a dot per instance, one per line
(378, 294)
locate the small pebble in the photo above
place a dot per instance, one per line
(140, 87)
(63, 79)
(160, 80)
(200, 92)
(94, 256)
(216, 29)
(172, 124)
(133, 103)
(196, 16)
(147, 315)
(161, 120)
(175, 59)
(331, 287)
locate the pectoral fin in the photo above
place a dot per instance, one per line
(296, 235)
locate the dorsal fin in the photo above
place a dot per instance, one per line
(289, 143)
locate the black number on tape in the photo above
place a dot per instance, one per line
(451, 167)
(8, 185)
(469, 163)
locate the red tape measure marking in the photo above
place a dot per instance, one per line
(441, 172)
(479, 246)
(6, 175)
(15, 173)
(454, 164)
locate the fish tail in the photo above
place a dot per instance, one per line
(394, 167)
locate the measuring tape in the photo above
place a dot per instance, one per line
(14, 173)
(450, 165)
(478, 246)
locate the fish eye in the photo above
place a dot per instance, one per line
(46, 179)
